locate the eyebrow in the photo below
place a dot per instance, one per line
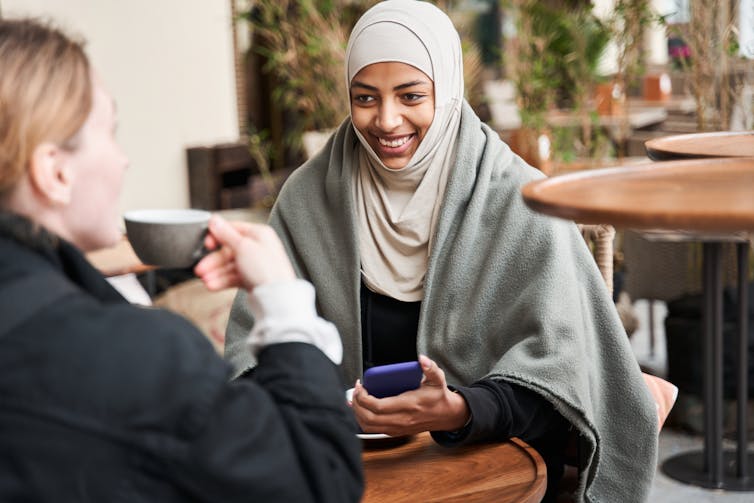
(413, 83)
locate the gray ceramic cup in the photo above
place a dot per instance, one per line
(167, 238)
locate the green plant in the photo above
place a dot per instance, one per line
(553, 62)
(628, 23)
(303, 44)
(262, 153)
(471, 52)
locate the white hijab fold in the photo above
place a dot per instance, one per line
(398, 209)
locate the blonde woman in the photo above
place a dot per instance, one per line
(104, 401)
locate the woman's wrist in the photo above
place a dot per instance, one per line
(460, 412)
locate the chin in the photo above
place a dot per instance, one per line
(112, 238)
(104, 239)
(394, 164)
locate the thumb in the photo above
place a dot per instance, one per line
(225, 233)
(432, 373)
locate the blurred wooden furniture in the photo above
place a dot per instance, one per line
(225, 176)
(421, 470)
(699, 145)
(117, 260)
(708, 195)
(634, 116)
(708, 200)
(218, 175)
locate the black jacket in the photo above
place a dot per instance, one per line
(103, 401)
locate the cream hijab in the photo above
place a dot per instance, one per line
(398, 209)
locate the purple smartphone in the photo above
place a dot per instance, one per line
(393, 379)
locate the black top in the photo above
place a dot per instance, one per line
(499, 409)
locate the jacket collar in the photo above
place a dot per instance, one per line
(58, 252)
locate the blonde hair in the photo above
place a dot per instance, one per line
(45, 93)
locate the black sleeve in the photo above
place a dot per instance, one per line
(501, 410)
(283, 433)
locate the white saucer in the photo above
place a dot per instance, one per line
(372, 436)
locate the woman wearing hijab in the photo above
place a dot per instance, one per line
(411, 225)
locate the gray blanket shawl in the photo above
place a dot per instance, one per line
(509, 294)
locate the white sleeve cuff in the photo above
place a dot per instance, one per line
(285, 312)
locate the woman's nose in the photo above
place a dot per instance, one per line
(389, 117)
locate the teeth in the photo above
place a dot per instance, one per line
(394, 143)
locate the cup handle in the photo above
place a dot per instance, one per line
(199, 253)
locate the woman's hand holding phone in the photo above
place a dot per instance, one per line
(430, 407)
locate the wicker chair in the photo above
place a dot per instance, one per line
(600, 240)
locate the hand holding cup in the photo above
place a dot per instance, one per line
(244, 255)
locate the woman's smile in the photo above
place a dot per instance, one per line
(394, 145)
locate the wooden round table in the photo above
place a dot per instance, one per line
(712, 195)
(421, 470)
(699, 145)
(710, 200)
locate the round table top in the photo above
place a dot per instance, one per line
(695, 145)
(708, 195)
(421, 470)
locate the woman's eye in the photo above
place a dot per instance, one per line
(363, 98)
(412, 96)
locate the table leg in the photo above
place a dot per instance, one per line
(713, 467)
(715, 372)
(151, 283)
(742, 250)
(651, 328)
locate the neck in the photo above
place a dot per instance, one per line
(24, 201)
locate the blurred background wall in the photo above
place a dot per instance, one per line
(169, 65)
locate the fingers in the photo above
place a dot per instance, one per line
(218, 270)
(210, 242)
(224, 232)
(222, 277)
(215, 260)
(251, 255)
(387, 415)
(222, 282)
(383, 406)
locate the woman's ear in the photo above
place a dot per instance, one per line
(51, 174)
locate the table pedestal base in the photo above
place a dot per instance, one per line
(713, 467)
(689, 468)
